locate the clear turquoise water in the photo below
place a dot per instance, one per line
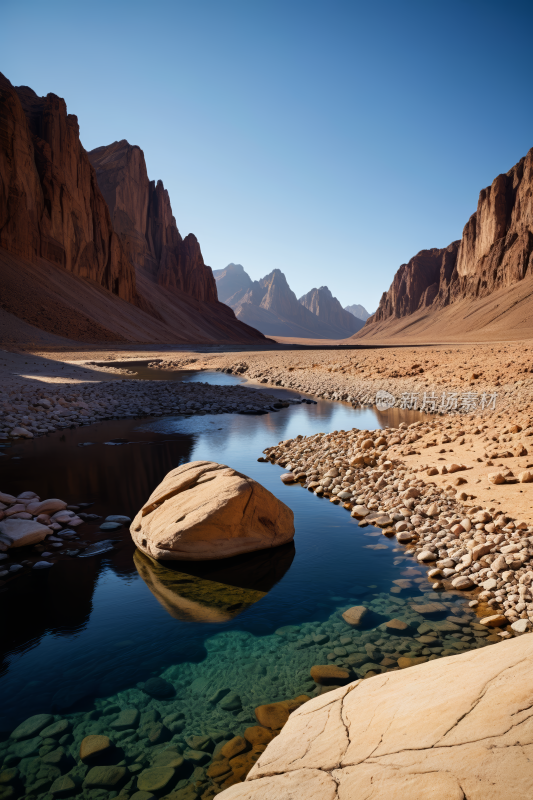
(86, 633)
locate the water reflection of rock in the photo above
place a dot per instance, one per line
(214, 593)
(393, 416)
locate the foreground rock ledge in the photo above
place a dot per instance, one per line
(203, 511)
(454, 728)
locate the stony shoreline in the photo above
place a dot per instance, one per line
(35, 533)
(335, 378)
(29, 410)
(467, 547)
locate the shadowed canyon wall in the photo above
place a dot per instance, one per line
(50, 203)
(142, 215)
(93, 257)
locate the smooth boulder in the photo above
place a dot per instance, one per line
(203, 511)
(53, 504)
(22, 532)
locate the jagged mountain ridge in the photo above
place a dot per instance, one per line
(60, 251)
(272, 307)
(494, 254)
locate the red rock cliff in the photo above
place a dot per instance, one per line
(142, 215)
(417, 283)
(496, 251)
(50, 203)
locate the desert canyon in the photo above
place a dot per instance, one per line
(245, 655)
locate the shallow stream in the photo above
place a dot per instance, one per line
(227, 636)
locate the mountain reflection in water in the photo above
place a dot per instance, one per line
(208, 592)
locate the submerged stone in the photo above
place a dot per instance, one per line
(159, 688)
(234, 747)
(104, 777)
(329, 674)
(55, 757)
(199, 743)
(231, 702)
(396, 625)
(404, 661)
(142, 796)
(272, 715)
(56, 729)
(354, 616)
(169, 758)
(197, 757)
(63, 786)
(110, 526)
(257, 734)
(92, 747)
(29, 747)
(128, 718)
(370, 666)
(155, 779)
(31, 726)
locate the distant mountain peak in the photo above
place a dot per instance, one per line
(275, 310)
(328, 309)
(358, 311)
(232, 283)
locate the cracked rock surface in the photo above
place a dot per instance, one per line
(401, 736)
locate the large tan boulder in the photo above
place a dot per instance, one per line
(448, 729)
(203, 511)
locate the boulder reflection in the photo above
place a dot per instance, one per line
(214, 591)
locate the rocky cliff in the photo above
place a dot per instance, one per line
(142, 216)
(419, 283)
(74, 270)
(271, 306)
(50, 203)
(327, 308)
(494, 253)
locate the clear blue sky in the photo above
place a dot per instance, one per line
(331, 139)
